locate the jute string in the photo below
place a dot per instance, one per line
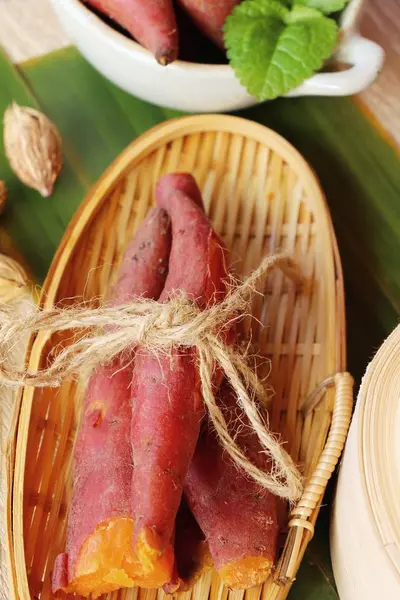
(109, 331)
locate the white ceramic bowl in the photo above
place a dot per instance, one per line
(199, 87)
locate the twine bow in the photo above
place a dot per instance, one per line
(157, 328)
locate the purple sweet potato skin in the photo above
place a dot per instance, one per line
(183, 182)
(199, 261)
(103, 464)
(144, 266)
(151, 22)
(167, 415)
(103, 455)
(167, 399)
(209, 16)
(59, 576)
(237, 516)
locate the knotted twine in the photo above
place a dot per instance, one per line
(110, 331)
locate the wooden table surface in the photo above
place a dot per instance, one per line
(29, 28)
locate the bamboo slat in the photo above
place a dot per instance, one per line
(262, 197)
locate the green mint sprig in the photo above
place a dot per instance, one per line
(325, 6)
(274, 45)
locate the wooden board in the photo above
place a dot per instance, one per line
(358, 169)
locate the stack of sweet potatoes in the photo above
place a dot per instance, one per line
(155, 500)
(153, 23)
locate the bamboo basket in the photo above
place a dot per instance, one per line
(365, 534)
(261, 197)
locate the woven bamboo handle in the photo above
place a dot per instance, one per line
(300, 516)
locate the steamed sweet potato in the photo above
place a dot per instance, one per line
(237, 516)
(144, 266)
(210, 16)
(192, 554)
(99, 556)
(183, 182)
(167, 395)
(193, 45)
(151, 22)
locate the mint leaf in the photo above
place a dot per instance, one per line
(273, 49)
(302, 13)
(325, 6)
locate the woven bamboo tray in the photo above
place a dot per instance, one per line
(262, 197)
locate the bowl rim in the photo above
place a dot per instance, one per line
(128, 45)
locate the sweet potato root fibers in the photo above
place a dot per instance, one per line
(237, 516)
(210, 16)
(151, 22)
(167, 399)
(99, 556)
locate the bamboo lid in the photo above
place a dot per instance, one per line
(365, 537)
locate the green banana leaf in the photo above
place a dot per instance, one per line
(358, 168)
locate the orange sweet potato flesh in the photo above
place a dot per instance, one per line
(168, 406)
(209, 16)
(237, 516)
(151, 22)
(106, 562)
(99, 555)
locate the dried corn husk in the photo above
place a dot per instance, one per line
(13, 280)
(33, 147)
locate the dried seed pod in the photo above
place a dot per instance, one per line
(3, 195)
(13, 280)
(33, 147)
